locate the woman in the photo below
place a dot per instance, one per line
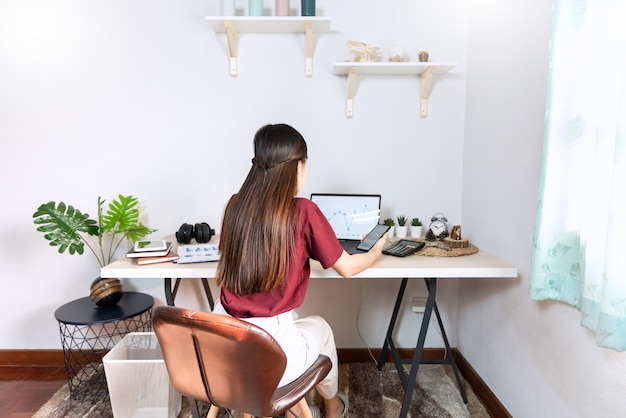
(267, 238)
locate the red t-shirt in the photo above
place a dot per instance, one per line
(315, 239)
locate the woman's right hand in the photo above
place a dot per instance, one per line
(350, 264)
(380, 244)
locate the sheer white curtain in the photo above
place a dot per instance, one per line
(579, 252)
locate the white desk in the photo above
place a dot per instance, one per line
(479, 265)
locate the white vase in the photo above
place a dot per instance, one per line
(416, 231)
(401, 231)
(227, 7)
(281, 8)
(255, 7)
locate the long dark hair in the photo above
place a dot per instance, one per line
(259, 223)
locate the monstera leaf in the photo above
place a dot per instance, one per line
(66, 227)
(61, 225)
(122, 217)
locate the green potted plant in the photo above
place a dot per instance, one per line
(390, 223)
(401, 229)
(423, 56)
(68, 228)
(416, 227)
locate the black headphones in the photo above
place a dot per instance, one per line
(202, 232)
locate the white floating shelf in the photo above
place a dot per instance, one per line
(391, 68)
(423, 69)
(233, 25)
(269, 24)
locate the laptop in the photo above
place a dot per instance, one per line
(352, 216)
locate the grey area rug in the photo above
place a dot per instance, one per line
(372, 394)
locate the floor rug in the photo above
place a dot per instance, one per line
(372, 394)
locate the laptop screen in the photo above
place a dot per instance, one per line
(351, 215)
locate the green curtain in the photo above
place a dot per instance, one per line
(579, 248)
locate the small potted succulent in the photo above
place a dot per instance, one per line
(391, 224)
(423, 56)
(68, 228)
(402, 228)
(416, 227)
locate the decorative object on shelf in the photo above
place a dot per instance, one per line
(255, 7)
(401, 229)
(438, 229)
(423, 56)
(415, 227)
(308, 7)
(397, 54)
(281, 8)
(227, 7)
(362, 52)
(391, 224)
(66, 227)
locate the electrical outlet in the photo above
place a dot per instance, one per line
(418, 305)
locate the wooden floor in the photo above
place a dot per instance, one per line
(23, 390)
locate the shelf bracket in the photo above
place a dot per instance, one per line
(427, 80)
(232, 47)
(351, 89)
(309, 48)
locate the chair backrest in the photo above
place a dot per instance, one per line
(219, 359)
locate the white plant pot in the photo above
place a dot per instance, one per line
(416, 231)
(401, 231)
(391, 231)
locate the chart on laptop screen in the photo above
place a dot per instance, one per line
(351, 216)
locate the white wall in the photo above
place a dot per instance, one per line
(534, 355)
(93, 93)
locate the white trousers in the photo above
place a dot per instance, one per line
(302, 340)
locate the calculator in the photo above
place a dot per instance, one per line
(403, 248)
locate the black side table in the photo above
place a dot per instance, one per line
(88, 332)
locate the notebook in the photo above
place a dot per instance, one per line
(352, 216)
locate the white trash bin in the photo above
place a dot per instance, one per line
(137, 379)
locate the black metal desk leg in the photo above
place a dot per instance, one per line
(207, 291)
(431, 285)
(450, 355)
(169, 297)
(388, 343)
(170, 294)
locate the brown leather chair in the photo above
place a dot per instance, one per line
(230, 363)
